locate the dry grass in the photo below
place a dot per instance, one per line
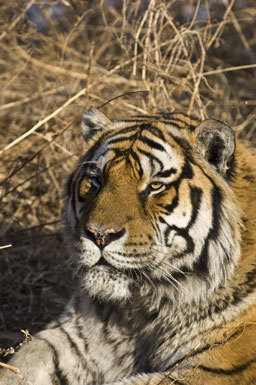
(194, 56)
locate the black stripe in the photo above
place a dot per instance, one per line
(125, 130)
(71, 192)
(149, 127)
(137, 160)
(157, 132)
(180, 232)
(167, 173)
(153, 130)
(201, 265)
(96, 375)
(187, 171)
(216, 203)
(151, 143)
(71, 342)
(92, 151)
(168, 118)
(190, 127)
(121, 359)
(61, 377)
(195, 197)
(143, 124)
(174, 122)
(80, 356)
(182, 274)
(151, 156)
(172, 206)
(121, 139)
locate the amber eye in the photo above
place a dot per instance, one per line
(156, 186)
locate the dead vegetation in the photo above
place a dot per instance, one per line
(57, 59)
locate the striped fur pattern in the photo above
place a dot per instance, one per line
(161, 219)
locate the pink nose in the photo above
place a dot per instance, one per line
(103, 237)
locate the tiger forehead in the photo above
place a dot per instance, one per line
(137, 138)
(157, 125)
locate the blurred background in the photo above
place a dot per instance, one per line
(57, 58)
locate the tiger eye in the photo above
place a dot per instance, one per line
(155, 186)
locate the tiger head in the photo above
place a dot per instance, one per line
(150, 209)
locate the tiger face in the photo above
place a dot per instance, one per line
(149, 207)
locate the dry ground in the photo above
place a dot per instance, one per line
(194, 56)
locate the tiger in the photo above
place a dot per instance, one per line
(160, 216)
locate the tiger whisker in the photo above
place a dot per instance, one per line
(168, 277)
(144, 272)
(167, 263)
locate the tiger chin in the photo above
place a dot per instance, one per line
(160, 216)
(107, 284)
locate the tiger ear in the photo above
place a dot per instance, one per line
(216, 143)
(93, 122)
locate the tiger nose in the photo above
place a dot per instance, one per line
(103, 237)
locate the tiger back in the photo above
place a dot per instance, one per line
(161, 219)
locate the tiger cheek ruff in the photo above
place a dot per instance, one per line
(160, 217)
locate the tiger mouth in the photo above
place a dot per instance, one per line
(111, 268)
(103, 262)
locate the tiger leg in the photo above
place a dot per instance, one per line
(52, 358)
(34, 364)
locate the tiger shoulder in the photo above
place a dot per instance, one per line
(160, 216)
